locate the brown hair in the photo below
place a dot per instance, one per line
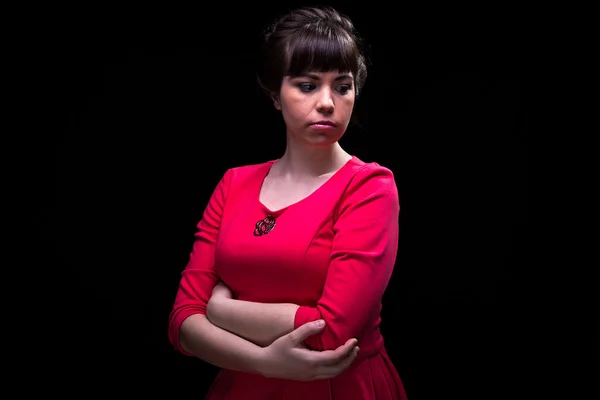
(311, 39)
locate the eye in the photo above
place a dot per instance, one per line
(344, 89)
(306, 87)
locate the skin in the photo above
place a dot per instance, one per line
(258, 337)
(311, 152)
(312, 155)
(313, 97)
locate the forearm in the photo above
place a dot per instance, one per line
(260, 323)
(201, 338)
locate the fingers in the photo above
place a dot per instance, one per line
(298, 335)
(331, 371)
(345, 350)
(332, 357)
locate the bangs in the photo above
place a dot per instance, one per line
(321, 49)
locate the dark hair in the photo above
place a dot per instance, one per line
(311, 39)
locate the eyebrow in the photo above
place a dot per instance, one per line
(337, 78)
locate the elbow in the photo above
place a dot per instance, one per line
(337, 331)
(187, 342)
(185, 332)
(180, 326)
(335, 334)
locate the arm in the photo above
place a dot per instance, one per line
(363, 257)
(190, 332)
(260, 323)
(285, 358)
(199, 337)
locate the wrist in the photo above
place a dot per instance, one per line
(260, 362)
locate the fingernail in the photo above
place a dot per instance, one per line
(320, 323)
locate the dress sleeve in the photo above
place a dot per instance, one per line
(199, 276)
(363, 255)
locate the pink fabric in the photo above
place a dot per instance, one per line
(332, 253)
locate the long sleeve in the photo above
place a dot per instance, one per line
(199, 277)
(363, 255)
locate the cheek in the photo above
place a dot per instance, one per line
(296, 109)
(347, 106)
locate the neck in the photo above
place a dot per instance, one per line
(299, 163)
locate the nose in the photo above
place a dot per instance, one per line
(325, 102)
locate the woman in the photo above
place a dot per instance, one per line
(310, 237)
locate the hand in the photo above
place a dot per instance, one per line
(288, 358)
(221, 291)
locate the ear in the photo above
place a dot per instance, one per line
(276, 102)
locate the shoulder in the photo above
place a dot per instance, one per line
(370, 191)
(246, 170)
(245, 174)
(370, 174)
(249, 169)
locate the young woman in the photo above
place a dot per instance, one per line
(292, 256)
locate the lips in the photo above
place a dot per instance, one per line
(324, 123)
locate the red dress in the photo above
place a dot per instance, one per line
(332, 253)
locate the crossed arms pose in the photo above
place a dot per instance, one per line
(283, 340)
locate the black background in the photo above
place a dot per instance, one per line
(152, 105)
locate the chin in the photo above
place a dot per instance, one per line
(324, 142)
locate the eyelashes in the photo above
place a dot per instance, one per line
(309, 87)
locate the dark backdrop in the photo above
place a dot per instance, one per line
(154, 105)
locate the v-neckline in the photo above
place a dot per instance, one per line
(305, 198)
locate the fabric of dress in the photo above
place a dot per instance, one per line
(332, 253)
